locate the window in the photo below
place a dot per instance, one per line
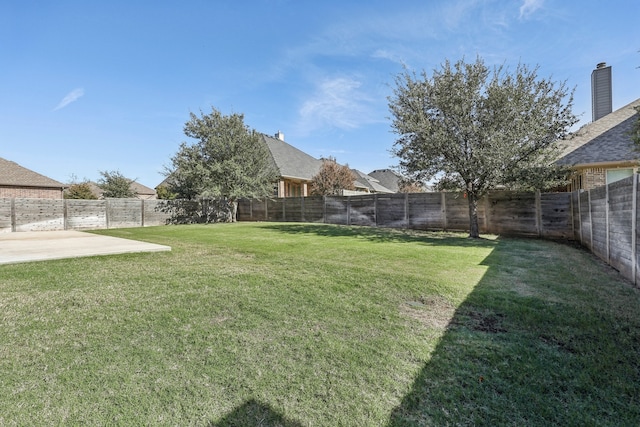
(293, 189)
(614, 175)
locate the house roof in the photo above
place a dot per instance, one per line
(387, 178)
(291, 162)
(139, 189)
(366, 181)
(607, 140)
(12, 174)
(142, 189)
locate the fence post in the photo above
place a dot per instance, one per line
(538, 213)
(406, 210)
(443, 210)
(573, 223)
(348, 210)
(487, 208)
(142, 211)
(302, 217)
(375, 208)
(634, 210)
(64, 213)
(324, 209)
(590, 222)
(106, 212)
(580, 218)
(606, 220)
(13, 214)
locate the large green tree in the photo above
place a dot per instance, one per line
(115, 185)
(80, 190)
(474, 128)
(227, 161)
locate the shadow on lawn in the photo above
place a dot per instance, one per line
(517, 353)
(381, 235)
(520, 350)
(253, 413)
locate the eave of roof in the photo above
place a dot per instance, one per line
(14, 175)
(604, 141)
(291, 162)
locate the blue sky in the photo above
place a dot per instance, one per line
(88, 86)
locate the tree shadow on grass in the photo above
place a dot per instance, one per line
(382, 235)
(520, 352)
(254, 413)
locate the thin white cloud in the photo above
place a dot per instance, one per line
(529, 7)
(72, 96)
(337, 103)
(388, 55)
(455, 14)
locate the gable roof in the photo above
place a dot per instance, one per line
(372, 184)
(12, 174)
(291, 162)
(607, 140)
(142, 190)
(387, 178)
(136, 187)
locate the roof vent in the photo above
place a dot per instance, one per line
(601, 65)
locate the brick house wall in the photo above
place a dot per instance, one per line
(30, 193)
(593, 177)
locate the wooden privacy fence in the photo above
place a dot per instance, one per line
(71, 214)
(605, 219)
(501, 212)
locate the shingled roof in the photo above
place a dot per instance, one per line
(14, 175)
(370, 183)
(387, 178)
(291, 162)
(607, 140)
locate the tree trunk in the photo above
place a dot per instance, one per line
(233, 208)
(474, 231)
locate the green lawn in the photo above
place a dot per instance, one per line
(315, 325)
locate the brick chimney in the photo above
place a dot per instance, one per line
(280, 136)
(601, 97)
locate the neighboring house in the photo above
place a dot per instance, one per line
(387, 178)
(19, 182)
(142, 192)
(296, 168)
(296, 171)
(603, 152)
(367, 184)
